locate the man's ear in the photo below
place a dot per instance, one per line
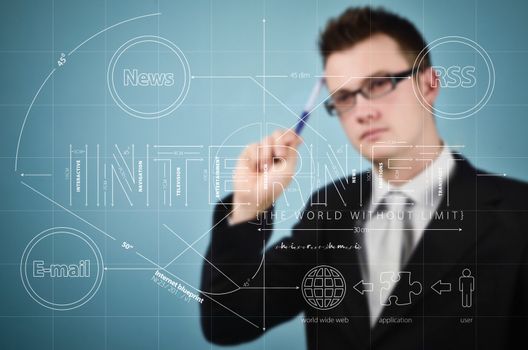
(429, 84)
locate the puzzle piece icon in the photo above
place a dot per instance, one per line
(389, 279)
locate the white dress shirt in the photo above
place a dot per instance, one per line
(425, 191)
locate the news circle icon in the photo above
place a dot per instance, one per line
(148, 77)
(466, 77)
(61, 268)
(323, 287)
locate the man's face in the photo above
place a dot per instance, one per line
(397, 116)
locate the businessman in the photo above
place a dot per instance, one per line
(427, 253)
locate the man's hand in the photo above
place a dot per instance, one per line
(263, 171)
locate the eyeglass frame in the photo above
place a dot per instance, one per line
(394, 79)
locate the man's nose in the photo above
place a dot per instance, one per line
(364, 112)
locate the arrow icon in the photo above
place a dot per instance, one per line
(361, 287)
(440, 287)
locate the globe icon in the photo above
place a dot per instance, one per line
(323, 287)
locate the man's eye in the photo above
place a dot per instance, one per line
(342, 98)
(376, 83)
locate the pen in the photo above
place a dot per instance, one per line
(309, 106)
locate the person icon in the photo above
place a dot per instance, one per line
(466, 285)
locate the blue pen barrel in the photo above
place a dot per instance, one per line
(308, 108)
(301, 122)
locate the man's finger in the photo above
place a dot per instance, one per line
(279, 150)
(291, 138)
(248, 158)
(265, 152)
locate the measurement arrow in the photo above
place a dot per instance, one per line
(361, 287)
(440, 287)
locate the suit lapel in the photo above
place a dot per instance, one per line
(349, 263)
(443, 246)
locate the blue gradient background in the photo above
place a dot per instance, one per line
(218, 38)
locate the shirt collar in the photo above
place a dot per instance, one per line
(423, 189)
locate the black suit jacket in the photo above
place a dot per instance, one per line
(492, 243)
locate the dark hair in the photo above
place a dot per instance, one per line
(360, 23)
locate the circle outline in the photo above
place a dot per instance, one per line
(489, 65)
(331, 268)
(167, 110)
(57, 306)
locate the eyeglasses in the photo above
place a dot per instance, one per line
(372, 88)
